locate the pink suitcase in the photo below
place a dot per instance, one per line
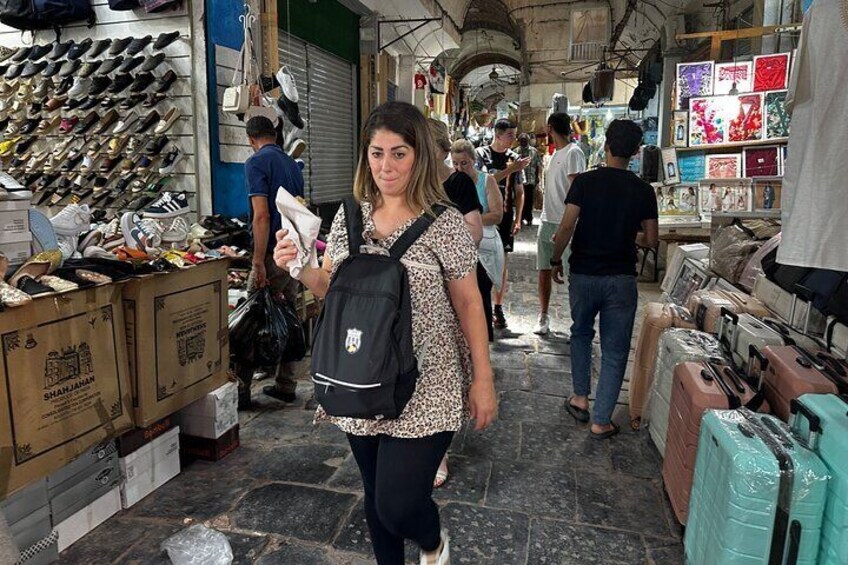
(698, 387)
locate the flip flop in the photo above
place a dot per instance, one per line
(607, 434)
(576, 412)
(441, 475)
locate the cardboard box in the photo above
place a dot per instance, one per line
(14, 221)
(85, 520)
(64, 385)
(18, 251)
(214, 414)
(138, 437)
(150, 467)
(193, 447)
(83, 489)
(81, 464)
(24, 502)
(176, 337)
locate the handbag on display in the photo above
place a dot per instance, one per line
(236, 99)
(44, 14)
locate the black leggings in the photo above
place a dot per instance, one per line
(485, 284)
(397, 475)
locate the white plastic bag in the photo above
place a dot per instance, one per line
(198, 545)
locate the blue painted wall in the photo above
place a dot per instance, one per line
(229, 196)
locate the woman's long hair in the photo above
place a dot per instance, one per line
(424, 189)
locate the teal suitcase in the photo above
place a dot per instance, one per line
(832, 447)
(758, 496)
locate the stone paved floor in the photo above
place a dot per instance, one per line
(533, 489)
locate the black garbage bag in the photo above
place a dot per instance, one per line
(296, 345)
(259, 330)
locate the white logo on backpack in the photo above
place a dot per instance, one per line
(353, 341)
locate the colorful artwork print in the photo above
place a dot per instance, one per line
(680, 129)
(723, 166)
(693, 80)
(680, 200)
(707, 121)
(724, 196)
(776, 117)
(747, 124)
(771, 72)
(762, 162)
(726, 74)
(767, 194)
(691, 166)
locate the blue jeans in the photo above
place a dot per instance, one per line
(614, 298)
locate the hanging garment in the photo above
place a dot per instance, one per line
(815, 233)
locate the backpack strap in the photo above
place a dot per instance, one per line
(353, 219)
(416, 230)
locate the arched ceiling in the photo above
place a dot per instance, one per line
(491, 15)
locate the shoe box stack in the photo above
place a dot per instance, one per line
(150, 466)
(87, 122)
(15, 235)
(209, 426)
(27, 513)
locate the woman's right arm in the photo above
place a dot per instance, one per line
(493, 194)
(317, 279)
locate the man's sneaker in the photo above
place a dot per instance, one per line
(72, 220)
(138, 235)
(177, 231)
(499, 321)
(287, 84)
(169, 163)
(169, 205)
(67, 245)
(543, 326)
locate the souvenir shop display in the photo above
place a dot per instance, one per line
(724, 195)
(771, 72)
(677, 200)
(693, 80)
(733, 75)
(761, 161)
(670, 170)
(723, 166)
(691, 165)
(680, 127)
(767, 194)
(777, 118)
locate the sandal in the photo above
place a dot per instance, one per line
(576, 412)
(441, 474)
(607, 434)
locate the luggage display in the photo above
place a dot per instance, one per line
(675, 346)
(733, 246)
(758, 495)
(755, 264)
(780, 302)
(696, 251)
(792, 371)
(706, 305)
(830, 413)
(738, 332)
(696, 388)
(658, 317)
(836, 337)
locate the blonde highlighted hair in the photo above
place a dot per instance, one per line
(464, 146)
(424, 189)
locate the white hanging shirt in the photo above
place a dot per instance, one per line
(815, 185)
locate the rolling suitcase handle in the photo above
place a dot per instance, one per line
(711, 373)
(797, 409)
(754, 354)
(728, 323)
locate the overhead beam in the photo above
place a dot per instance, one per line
(719, 36)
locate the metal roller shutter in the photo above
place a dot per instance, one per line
(327, 89)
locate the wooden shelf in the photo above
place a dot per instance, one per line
(738, 145)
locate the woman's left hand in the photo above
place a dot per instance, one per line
(483, 402)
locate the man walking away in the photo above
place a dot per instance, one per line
(566, 163)
(507, 167)
(532, 176)
(266, 171)
(605, 211)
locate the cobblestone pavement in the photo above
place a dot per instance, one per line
(532, 489)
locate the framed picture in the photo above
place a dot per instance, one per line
(776, 117)
(693, 80)
(723, 166)
(707, 121)
(693, 276)
(671, 173)
(745, 119)
(690, 165)
(724, 195)
(677, 200)
(680, 129)
(771, 72)
(767, 194)
(728, 74)
(762, 161)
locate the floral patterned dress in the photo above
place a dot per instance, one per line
(444, 253)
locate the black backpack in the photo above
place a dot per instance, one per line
(45, 14)
(363, 364)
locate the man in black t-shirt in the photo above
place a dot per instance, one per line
(606, 209)
(507, 167)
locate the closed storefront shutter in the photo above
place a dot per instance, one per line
(327, 102)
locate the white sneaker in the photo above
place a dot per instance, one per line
(287, 84)
(543, 326)
(176, 232)
(444, 556)
(140, 235)
(72, 220)
(67, 245)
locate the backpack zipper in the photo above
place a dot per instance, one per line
(329, 381)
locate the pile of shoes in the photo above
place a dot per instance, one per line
(87, 122)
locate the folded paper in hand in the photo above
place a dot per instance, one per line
(303, 227)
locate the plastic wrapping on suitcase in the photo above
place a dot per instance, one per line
(831, 447)
(675, 346)
(658, 317)
(738, 332)
(793, 371)
(780, 302)
(758, 495)
(698, 387)
(706, 305)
